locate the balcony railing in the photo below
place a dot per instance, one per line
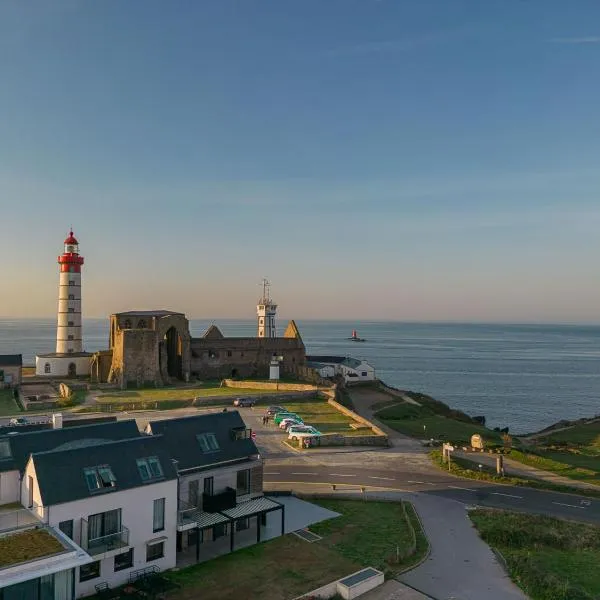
(14, 517)
(104, 543)
(185, 513)
(221, 501)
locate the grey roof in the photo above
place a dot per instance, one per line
(252, 507)
(24, 443)
(180, 438)
(147, 313)
(353, 363)
(336, 360)
(60, 473)
(11, 360)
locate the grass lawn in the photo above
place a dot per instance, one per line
(581, 435)
(423, 423)
(27, 545)
(8, 406)
(579, 466)
(548, 558)
(324, 417)
(177, 393)
(365, 535)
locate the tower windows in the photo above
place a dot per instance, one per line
(141, 324)
(70, 338)
(71, 282)
(127, 324)
(71, 296)
(70, 309)
(47, 368)
(71, 323)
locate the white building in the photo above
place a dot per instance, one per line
(266, 310)
(69, 360)
(351, 369)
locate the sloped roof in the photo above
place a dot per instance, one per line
(11, 360)
(332, 360)
(147, 313)
(291, 331)
(213, 333)
(60, 473)
(353, 363)
(24, 443)
(180, 439)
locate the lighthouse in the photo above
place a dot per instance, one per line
(68, 330)
(69, 359)
(266, 310)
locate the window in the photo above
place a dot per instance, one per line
(242, 524)
(241, 433)
(98, 478)
(229, 353)
(71, 323)
(209, 485)
(127, 324)
(70, 309)
(208, 442)
(70, 338)
(158, 523)
(67, 528)
(124, 560)
(243, 482)
(70, 350)
(212, 354)
(71, 282)
(364, 373)
(91, 571)
(141, 324)
(149, 468)
(155, 551)
(103, 525)
(193, 493)
(47, 368)
(261, 321)
(71, 296)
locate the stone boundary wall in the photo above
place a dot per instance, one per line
(353, 415)
(392, 391)
(337, 439)
(269, 385)
(271, 398)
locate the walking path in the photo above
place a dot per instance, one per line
(513, 467)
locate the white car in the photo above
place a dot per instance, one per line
(285, 423)
(304, 432)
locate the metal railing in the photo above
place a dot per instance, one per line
(14, 516)
(104, 543)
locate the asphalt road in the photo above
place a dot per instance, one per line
(465, 491)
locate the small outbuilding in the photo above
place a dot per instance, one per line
(11, 366)
(351, 369)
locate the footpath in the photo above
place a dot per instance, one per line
(517, 469)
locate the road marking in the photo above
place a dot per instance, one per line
(569, 505)
(341, 475)
(507, 495)
(455, 487)
(304, 473)
(430, 483)
(272, 473)
(409, 481)
(383, 478)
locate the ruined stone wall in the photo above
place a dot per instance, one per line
(135, 358)
(243, 357)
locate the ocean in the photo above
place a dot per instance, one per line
(522, 376)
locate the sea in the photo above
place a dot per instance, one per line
(524, 377)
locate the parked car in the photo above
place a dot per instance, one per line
(244, 402)
(293, 428)
(273, 410)
(296, 435)
(18, 421)
(284, 415)
(287, 423)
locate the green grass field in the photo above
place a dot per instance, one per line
(587, 435)
(8, 406)
(366, 534)
(548, 558)
(423, 423)
(324, 417)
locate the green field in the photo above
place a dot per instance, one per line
(325, 417)
(422, 422)
(587, 435)
(548, 558)
(8, 406)
(367, 534)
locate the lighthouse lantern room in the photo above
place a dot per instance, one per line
(69, 360)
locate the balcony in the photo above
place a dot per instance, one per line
(225, 500)
(14, 516)
(104, 543)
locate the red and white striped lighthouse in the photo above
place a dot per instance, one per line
(68, 330)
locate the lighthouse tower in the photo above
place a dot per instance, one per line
(68, 330)
(266, 310)
(69, 360)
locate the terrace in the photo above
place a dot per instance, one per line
(26, 545)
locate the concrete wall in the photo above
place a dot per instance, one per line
(267, 385)
(137, 507)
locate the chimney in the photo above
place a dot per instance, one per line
(57, 421)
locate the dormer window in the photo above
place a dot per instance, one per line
(208, 442)
(98, 478)
(149, 468)
(241, 433)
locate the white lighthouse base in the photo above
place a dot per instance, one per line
(76, 364)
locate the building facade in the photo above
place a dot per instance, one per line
(11, 368)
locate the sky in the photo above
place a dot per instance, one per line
(430, 160)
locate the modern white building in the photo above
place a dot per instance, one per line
(351, 369)
(69, 360)
(266, 310)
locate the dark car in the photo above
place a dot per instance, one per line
(273, 410)
(244, 402)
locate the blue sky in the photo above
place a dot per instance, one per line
(376, 159)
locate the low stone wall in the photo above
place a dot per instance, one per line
(266, 398)
(336, 439)
(271, 385)
(356, 417)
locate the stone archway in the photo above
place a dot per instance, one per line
(173, 353)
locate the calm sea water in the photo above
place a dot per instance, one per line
(522, 376)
